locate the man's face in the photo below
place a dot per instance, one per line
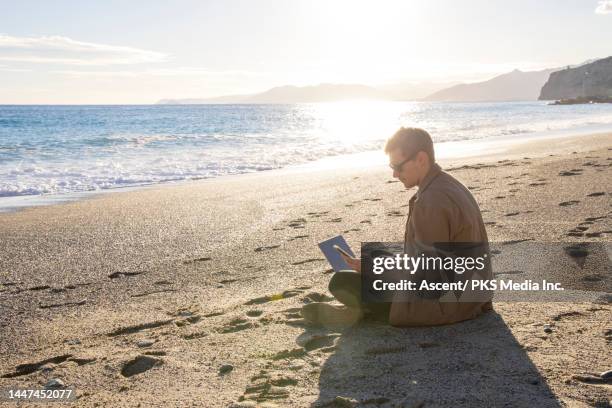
(410, 171)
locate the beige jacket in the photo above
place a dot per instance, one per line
(443, 210)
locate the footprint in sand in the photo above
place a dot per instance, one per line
(236, 325)
(537, 184)
(163, 282)
(293, 315)
(192, 261)
(592, 278)
(152, 292)
(139, 365)
(323, 342)
(597, 194)
(568, 203)
(317, 297)
(365, 222)
(560, 316)
(279, 296)
(65, 304)
(572, 172)
(289, 354)
(595, 218)
(395, 213)
(578, 252)
(195, 335)
(254, 313)
(512, 214)
(29, 368)
(40, 287)
(214, 314)
(116, 275)
(265, 248)
(298, 237)
(267, 386)
(297, 224)
(139, 327)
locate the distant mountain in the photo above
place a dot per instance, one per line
(198, 101)
(317, 93)
(323, 93)
(411, 91)
(512, 86)
(584, 81)
(295, 94)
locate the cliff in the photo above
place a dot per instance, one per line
(593, 80)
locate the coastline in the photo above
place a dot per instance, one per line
(465, 150)
(213, 273)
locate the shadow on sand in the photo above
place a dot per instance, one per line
(477, 363)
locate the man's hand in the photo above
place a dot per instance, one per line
(353, 263)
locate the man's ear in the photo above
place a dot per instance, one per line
(422, 159)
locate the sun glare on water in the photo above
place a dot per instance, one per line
(356, 125)
(358, 121)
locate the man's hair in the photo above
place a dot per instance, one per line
(411, 141)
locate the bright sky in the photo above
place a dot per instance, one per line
(142, 51)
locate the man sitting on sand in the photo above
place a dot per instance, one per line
(442, 211)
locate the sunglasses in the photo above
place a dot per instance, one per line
(398, 167)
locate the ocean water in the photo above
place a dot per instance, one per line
(47, 150)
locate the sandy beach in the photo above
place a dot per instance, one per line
(189, 294)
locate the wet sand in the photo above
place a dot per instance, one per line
(189, 295)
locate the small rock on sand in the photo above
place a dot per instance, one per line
(145, 343)
(225, 368)
(54, 383)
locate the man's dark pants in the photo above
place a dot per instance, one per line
(346, 287)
